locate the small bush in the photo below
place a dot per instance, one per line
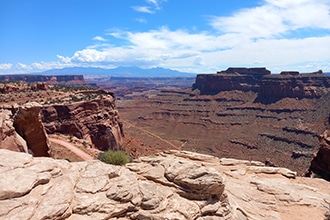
(114, 157)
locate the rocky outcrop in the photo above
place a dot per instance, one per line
(51, 79)
(9, 138)
(22, 130)
(320, 164)
(269, 87)
(96, 120)
(8, 88)
(39, 86)
(171, 185)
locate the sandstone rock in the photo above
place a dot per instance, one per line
(270, 87)
(96, 120)
(161, 187)
(321, 162)
(9, 139)
(39, 86)
(27, 123)
(8, 88)
(22, 130)
(293, 86)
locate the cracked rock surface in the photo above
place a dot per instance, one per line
(171, 185)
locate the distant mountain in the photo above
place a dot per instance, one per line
(119, 72)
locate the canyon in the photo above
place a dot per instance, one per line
(233, 114)
(182, 139)
(81, 114)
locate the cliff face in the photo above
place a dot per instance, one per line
(96, 120)
(244, 79)
(269, 87)
(294, 86)
(321, 162)
(171, 185)
(22, 130)
(9, 138)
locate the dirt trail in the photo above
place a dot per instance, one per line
(72, 148)
(151, 133)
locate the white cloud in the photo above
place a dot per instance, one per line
(99, 38)
(141, 20)
(143, 9)
(151, 8)
(64, 59)
(249, 37)
(168, 48)
(5, 66)
(275, 18)
(23, 66)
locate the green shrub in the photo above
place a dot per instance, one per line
(114, 157)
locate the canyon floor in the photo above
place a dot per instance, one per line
(229, 124)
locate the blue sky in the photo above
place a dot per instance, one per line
(186, 35)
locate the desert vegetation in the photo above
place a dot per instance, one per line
(114, 157)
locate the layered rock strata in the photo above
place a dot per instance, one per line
(270, 87)
(96, 120)
(243, 79)
(171, 185)
(312, 85)
(22, 130)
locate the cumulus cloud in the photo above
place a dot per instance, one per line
(249, 37)
(23, 66)
(5, 66)
(275, 18)
(172, 48)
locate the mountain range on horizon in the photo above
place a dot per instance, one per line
(119, 72)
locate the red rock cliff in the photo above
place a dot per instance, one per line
(96, 120)
(22, 130)
(244, 79)
(269, 86)
(294, 86)
(321, 162)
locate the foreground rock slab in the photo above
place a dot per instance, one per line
(171, 185)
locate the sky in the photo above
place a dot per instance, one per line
(186, 35)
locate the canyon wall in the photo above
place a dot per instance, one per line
(244, 79)
(268, 86)
(96, 120)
